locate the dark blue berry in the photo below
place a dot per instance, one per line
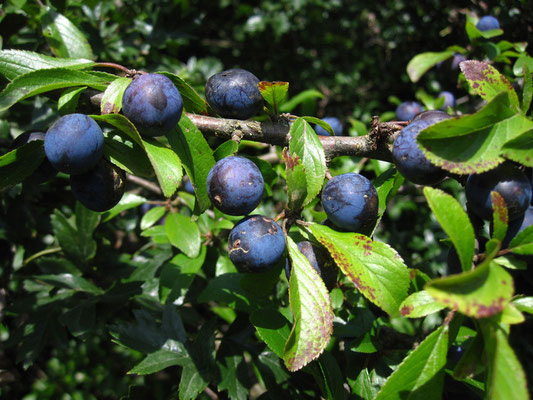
(488, 23)
(407, 110)
(335, 124)
(449, 100)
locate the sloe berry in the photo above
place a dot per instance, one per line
(256, 244)
(153, 104)
(335, 124)
(506, 179)
(74, 143)
(351, 202)
(409, 158)
(407, 110)
(100, 188)
(234, 94)
(449, 100)
(235, 185)
(488, 23)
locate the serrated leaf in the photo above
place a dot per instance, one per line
(499, 216)
(487, 82)
(233, 373)
(183, 233)
(19, 62)
(111, 101)
(421, 63)
(273, 92)
(272, 327)
(161, 359)
(197, 158)
(505, 374)
(18, 164)
(454, 222)
(474, 33)
(375, 268)
(86, 222)
(523, 242)
(420, 375)
(166, 164)
(192, 102)
(479, 293)
(524, 304)
(419, 304)
(386, 185)
(122, 124)
(63, 37)
(226, 149)
(527, 94)
(331, 376)
(305, 156)
(126, 154)
(311, 307)
(68, 101)
(45, 80)
(477, 138)
(519, 149)
(69, 281)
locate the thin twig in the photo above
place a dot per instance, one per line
(145, 184)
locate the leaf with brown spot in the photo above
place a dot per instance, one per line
(478, 139)
(499, 215)
(112, 98)
(313, 315)
(375, 268)
(487, 82)
(419, 304)
(273, 92)
(479, 293)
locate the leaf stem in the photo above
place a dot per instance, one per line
(41, 253)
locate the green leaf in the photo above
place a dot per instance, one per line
(519, 149)
(474, 33)
(161, 359)
(477, 138)
(197, 158)
(183, 233)
(505, 374)
(71, 241)
(302, 97)
(63, 37)
(166, 164)
(228, 148)
(421, 373)
(233, 372)
(455, 223)
(527, 94)
(332, 377)
(68, 102)
(126, 154)
(122, 124)
(479, 293)
(192, 102)
(69, 281)
(18, 164)
(14, 63)
(421, 63)
(363, 386)
(86, 223)
(178, 274)
(152, 216)
(419, 304)
(499, 215)
(487, 82)
(45, 80)
(226, 289)
(524, 304)
(112, 99)
(387, 184)
(305, 157)
(273, 92)
(129, 200)
(523, 242)
(272, 327)
(311, 307)
(375, 268)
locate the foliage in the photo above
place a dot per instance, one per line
(133, 304)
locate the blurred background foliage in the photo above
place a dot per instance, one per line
(354, 52)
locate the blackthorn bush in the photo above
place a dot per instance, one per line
(235, 185)
(351, 202)
(74, 143)
(234, 94)
(100, 188)
(153, 104)
(506, 179)
(256, 244)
